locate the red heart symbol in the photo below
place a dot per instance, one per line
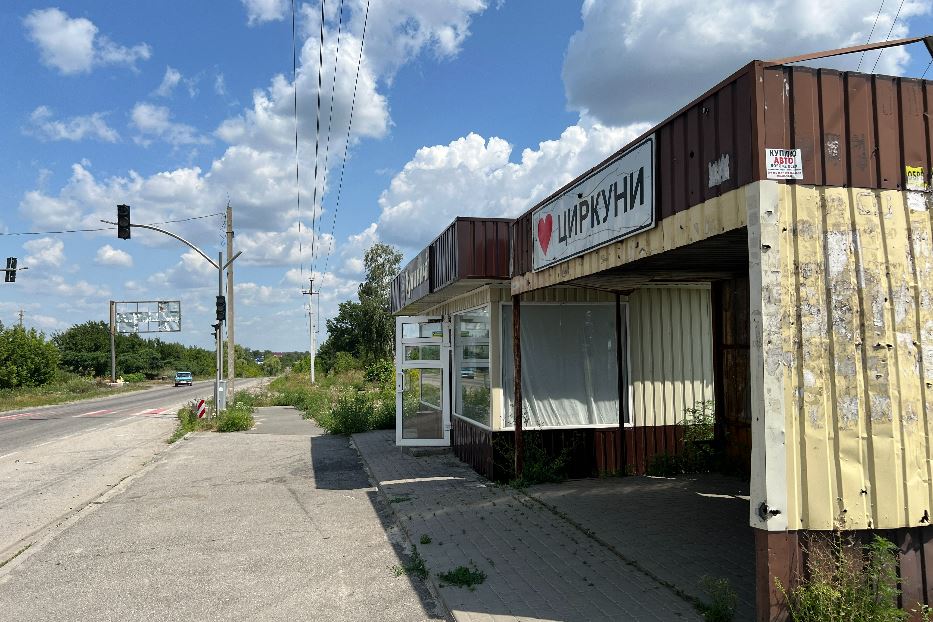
(545, 227)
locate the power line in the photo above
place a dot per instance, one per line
(927, 69)
(346, 144)
(330, 120)
(164, 222)
(891, 30)
(295, 92)
(317, 135)
(877, 15)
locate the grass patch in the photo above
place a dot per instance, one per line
(722, 600)
(237, 418)
(345, 402)
(414, 566)
(463, 576)
(65, 388)
(847, 581)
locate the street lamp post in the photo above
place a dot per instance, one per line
(220, 266)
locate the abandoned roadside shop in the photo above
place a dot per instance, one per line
(764, 255)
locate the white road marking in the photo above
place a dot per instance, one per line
(9, 454)
(94, 413)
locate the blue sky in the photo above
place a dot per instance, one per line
(463, 107)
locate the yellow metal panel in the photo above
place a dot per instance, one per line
(814, 409)
(844, 342)
(855, 354)
(920, 221)
(906, 354)
(668, 344)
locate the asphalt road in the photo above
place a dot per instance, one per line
(54, 460)
(26, 428)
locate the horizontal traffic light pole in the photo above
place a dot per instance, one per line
(183, 241)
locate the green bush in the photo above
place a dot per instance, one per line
(352, 413)
(847, 582)
(237, 418)
(344, 361)
(384, 411)
(381, 372)
(26, 358)
(136, 377)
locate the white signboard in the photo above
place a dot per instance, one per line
(613, 203)
(784, 163)
(148, 316)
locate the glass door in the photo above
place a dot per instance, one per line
(422, 356)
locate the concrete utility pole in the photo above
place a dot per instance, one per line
(21, 318)
(231, 351)
(311, 294)
(113, 345)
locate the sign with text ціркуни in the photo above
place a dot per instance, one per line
(610, 204)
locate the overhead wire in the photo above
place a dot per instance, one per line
(330, 120)
(317, 133)
(346, 144)
(927, 69)
(297, 161)
(877, 15)
(151, 224)
(890, 31)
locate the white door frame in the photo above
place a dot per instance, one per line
(443, 364)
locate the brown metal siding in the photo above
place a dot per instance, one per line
(854, 130)
(444, 254)
(717, 125)
(483, 248)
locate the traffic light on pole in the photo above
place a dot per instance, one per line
(10, 270)
(221, 308)
(123, 222)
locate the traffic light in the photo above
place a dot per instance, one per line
(10, 270)
(221, 308)
(123, 222)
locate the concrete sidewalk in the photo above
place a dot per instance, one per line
(279, 524)
(538, 565)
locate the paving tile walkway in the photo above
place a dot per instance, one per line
(679, 529)
(538, 565)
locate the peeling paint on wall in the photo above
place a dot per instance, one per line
(852, 309)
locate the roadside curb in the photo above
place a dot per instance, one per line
(430, 582)
(13, 556)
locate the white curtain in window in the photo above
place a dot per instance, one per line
(569, 369)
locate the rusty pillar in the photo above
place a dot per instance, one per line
(517, 366)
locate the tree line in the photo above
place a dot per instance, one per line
(28, 358)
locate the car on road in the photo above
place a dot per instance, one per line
(183, 377)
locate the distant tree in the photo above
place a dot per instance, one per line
(27, 359)
(85, 348)
(365, 329)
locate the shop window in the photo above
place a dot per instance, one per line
(570, 374)
(471, 371)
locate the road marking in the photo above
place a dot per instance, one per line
(9, 454)
(16, 416)
(95, 413)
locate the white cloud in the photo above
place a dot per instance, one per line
(220, 85)
(169, 81)
(110, 256)
(44, 126)
(635, 60)
(261, 11)
(44, 252)
(155, 122)
(73, 45)
(475, 177)
(191, 272)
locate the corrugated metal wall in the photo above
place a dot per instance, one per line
(852, 129)
(850, 346)
(671, 353)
